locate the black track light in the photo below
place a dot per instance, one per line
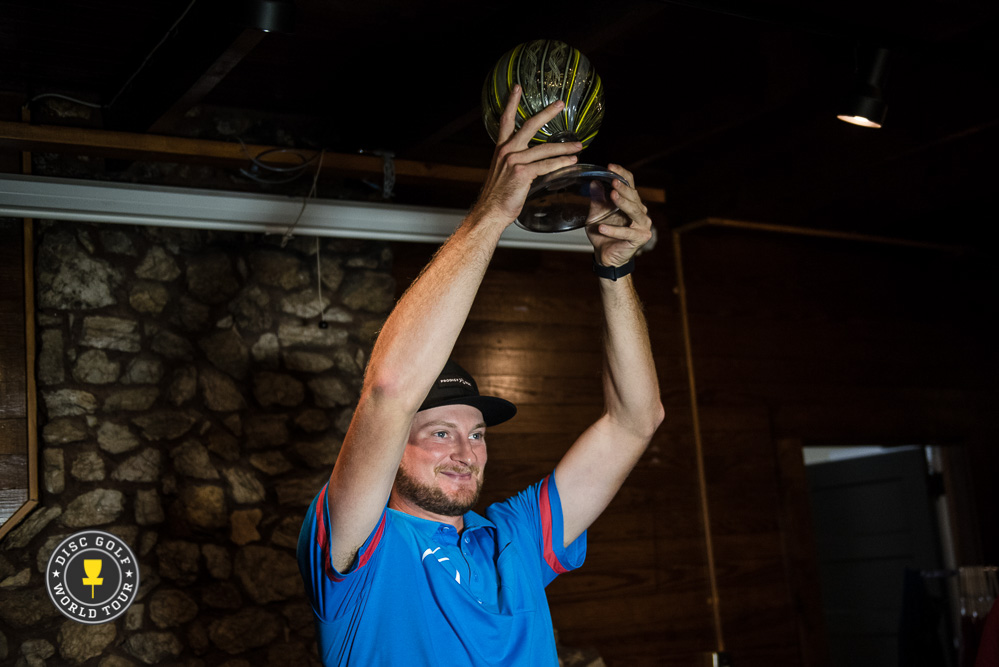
(867, 106)
(266, 15)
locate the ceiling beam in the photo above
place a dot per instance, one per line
(150, 147)
(179, 67)
(217, 71)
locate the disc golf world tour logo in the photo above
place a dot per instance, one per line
(92, 577)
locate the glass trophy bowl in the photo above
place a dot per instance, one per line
(569, 198)
(550, 70)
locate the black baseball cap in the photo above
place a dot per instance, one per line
(455, 386)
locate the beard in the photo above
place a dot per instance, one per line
(433, 499)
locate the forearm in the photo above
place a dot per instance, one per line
(419, 334)
(597, 464)
(631, 386)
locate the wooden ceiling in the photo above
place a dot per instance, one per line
(729, 107)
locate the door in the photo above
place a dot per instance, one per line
(873, 520)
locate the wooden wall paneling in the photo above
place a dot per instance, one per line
(845, 364)
(682, 567)
(537, 299)
(614, 568)
(913, 330)
(508, 445)
(783, 335)
(892, 418)
(623, 627)
(963, 510)
(844, 342)
(572, 365)
(19, 491)
(14, 472)
(13, 377)
(521, 335)
(756, 610)
(721, 418)
(827, 277)
(566, 419)
(983, 463)
(798, 543)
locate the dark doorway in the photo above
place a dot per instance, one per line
(884, 592)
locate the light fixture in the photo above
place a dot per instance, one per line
(266, 15)
(867, 106)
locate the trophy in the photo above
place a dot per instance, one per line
(550, 70)
(92, 566)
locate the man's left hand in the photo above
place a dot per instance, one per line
(618, 237)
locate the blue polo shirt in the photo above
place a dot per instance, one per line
(419, 593)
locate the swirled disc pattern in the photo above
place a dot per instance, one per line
(547, 70)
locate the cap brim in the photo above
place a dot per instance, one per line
(494, 410)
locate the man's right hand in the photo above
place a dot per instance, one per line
(516, 163)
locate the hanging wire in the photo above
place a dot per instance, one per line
(165, 37)
(312, 193)
(319, 289)
(64, 97)
(130, 79)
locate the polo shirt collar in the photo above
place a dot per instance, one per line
(444, 532)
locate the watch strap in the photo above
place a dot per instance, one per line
(613, 272)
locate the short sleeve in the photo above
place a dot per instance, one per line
(535, 515)
(330, 590)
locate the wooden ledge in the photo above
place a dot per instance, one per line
(150, 147)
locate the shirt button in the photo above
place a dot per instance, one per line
(466, 539)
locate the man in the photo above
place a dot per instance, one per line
(424, 580)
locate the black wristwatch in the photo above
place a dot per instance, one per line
(613, 272)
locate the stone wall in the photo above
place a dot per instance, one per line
(189, 403)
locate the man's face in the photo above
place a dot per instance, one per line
(441, 472)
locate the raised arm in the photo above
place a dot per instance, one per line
(595, 467)
(418, 336)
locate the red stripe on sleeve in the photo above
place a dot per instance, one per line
(323, 536)
(324, 539)
(546, 530)
(374, 543)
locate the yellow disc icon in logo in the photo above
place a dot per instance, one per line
(92, 566)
